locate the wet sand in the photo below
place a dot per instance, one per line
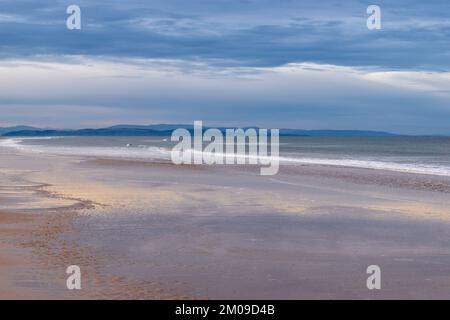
(12, 225)
(157, 231)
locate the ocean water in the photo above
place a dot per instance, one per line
(423, 155)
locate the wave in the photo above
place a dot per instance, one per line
(419, 168)
(158, 153)
(141, 152)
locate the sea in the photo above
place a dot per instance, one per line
(421, 155)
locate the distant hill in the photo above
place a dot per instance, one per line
(284, 132)
(87, 132)
(166, 130)
(335, 133)
(158, 127)
(17, 128)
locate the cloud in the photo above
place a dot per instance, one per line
(234, 32)
(305, 95)
(274, 63)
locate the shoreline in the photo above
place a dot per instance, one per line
(35, 252)
(34, 218)
(140, 231)
(386, 165)
(12, 226)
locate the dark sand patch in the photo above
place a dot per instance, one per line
(142, 164)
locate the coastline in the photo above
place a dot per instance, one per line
(156, 231)
(31, 221)
(12, 226)
(35, 251)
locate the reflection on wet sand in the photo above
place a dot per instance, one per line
(146, 230)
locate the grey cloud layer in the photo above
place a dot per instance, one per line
(304, 95)
(274, 63)
(235, 32)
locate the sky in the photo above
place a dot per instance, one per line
(270, 63)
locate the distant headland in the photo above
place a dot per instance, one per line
(166, 130)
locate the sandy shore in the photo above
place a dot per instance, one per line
(12, 226)
(155, 231)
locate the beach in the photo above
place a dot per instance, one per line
(151, 230)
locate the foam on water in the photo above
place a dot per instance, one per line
(419, 168)
(158, 153)
(373, 164)
(141, 152)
